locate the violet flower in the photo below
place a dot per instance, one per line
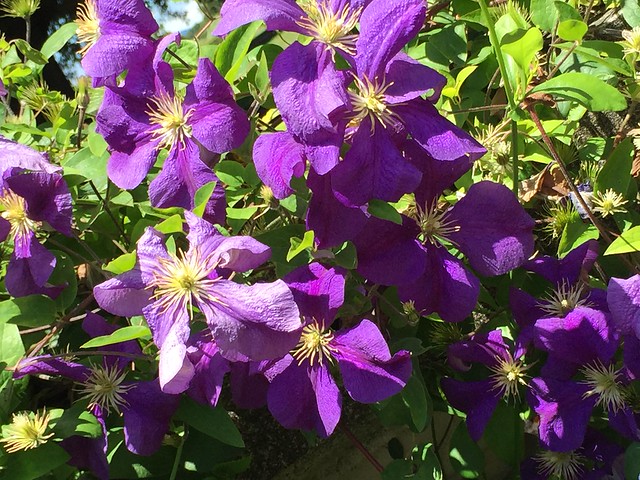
(305, 395)
(33, 192)
(255, 322)
(479, 399)
(623, 298)
(488, 225)
(117, 35)
(146, 115)
(146, 410)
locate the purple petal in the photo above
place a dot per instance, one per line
(305, 398)
(28, 274)
(477, 399)
(88, 453)
(496, 234)
(373, 168)
(257, 322)
(445, 287)
(567, 270)
(389, 254)
(131, 14)
(128, 170)
(277, 14)
(435, 134)
(210, 369)
(115, 52)
(48, 365)
(5, 229)
(3, 90)
(623, 297)
(369, 372)
(385, 28)
(16, 155)
(318, 291)
(485, 348)
(409, 79)
(278, 158)
(248, 384)
(125, 295)
(147, 416)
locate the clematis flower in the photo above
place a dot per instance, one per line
(146, 410)
(488, 225)
(305, 395)
(146, 115)
(247, 322)
(623, 299)
(33, 192)
(479, 399)
(117, 35)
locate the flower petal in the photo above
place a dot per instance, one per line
(277, 14)
(317, 290)
(278, 158)
(125, 295)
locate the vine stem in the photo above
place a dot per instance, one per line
(358, 444)
(176, 461)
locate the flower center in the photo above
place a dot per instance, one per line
(26, 431)
(564, 299)
(329, 27)
(104, 388)
(370, 101)
(181, 279)
(603, 382)
(435, 227)
(88, 25)
(507, 375)
(15, 212)
(608, 203)
(562, 465)
(170, 121)
(314, 343)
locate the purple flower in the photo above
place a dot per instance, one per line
(146, 115)
(254, 322)
(117, 35)
(623, 298)
(145, 408)
(488, 225)
(3, 90)
(33, 192)
(478, 399)
(305, 395)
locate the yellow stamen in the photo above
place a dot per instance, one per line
(435, 226)
(88, 25)
(508, 374)
(329, 27)
(104, 388)
(26, 431)
(15, 212)
(314, 343)
(370, 102)
(171, 122)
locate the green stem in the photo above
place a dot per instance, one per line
(493, 38)
(514, 153)
(176, 462)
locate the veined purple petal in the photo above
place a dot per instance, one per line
(16, 155)
(369, 372)
(388, 253)
(477, 399)
(277, 15)
(238, 253)
(115, 52)
(257, 322)
(28, 275)
(89, 453)
(131, 14)
(373, 168)
(623, 297)
(128, 171)
(5, 229)
(440, 138)
(278, 158)
(210, 369)
(486, 348)
(409, 79)
(305, 398)
(446, 286)
(385, 28)
(317, 290)
(330, 220)
(146, 417)
(124, 295)
(310, 94)
(496, 234)
(51, 366)
(567, 270)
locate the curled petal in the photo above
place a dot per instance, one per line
(278, 158)
(277, 14)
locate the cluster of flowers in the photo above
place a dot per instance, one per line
(575, 332)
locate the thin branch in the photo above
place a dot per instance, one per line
(363, 450)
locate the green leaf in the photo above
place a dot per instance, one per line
(383, 210)
(632, 461)
(31, 311)
(522, 46)
(202, 197)
(430, 468)
(64, 274)
(466, 457)
(505, 434)
(233, 50)
(631, 13)
(132, 332)
(417, 399)
(29, 52)
(566, 11)
(58, 39)
(74, 421)
(572, 30)
(574, 235)
(122, 264)
(397, 469)
(298, 246)
(544, 14)
(32, 464)
(628, 242)
(230, 173)
(11, 347)
(589, 91)
(173, 224)
(214, 422)
(616, 172)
